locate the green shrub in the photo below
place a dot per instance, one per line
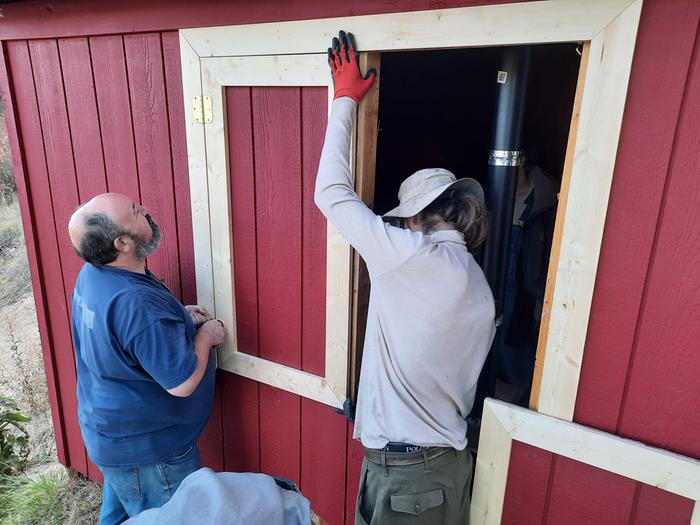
(14, 439)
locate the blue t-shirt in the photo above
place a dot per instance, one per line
(133, 341)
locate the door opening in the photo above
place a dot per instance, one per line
(437, 109)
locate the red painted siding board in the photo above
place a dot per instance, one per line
(29, 219)
(277, 143)
(655, 506)
(84, 120)
(355, 455)
(240, 400)
(46, 236)
(662, 405)
(582, 494)
(323, 444)
(145, 72)
(178, 151)
(527, 486)
(241, 424)
(314, 111)
(130, 16)
(276, 135)
(652, 110)
(112, 90)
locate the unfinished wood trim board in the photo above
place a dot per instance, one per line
(285, 49)
(502, 423)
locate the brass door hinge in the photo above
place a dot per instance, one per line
(201, 107)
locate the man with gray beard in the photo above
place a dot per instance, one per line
(145, 380)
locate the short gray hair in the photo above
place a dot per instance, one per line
(97, 241)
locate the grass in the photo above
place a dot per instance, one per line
(15, 281)
(55, 498)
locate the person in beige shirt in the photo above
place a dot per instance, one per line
(430, 322)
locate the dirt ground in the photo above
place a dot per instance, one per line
(22, 374)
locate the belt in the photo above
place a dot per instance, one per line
(383, 457)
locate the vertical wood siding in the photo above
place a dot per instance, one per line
(96, 113)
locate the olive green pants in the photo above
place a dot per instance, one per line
(435, 492)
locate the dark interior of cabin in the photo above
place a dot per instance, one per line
(437, 109)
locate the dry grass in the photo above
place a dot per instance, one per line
(45, 493)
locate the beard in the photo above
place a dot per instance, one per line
(145, 248)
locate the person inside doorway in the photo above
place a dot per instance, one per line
(430, 322)
(526, 278)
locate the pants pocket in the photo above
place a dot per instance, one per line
(417, 504)
(174, 471)
(124, 483)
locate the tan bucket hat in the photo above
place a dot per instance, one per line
(424, 186)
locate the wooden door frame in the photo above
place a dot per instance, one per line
(502, 423)
(608, 28)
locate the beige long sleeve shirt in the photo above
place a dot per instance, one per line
(430, 321)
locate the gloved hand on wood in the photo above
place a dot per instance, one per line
(345, 68)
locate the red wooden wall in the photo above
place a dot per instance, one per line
(103, 111)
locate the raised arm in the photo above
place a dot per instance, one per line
(383, 247)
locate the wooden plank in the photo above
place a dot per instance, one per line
(602, 107)
(280, 433)
(276, 124)
(145, 72)
(277, 70)
(625, 457)
(658, 74)
(178, 152)
(495, 25)
(355, 455)
(241, 426)
(314, 111)
(367, 135)
(69, 18)
(19, 101)
(528, 485)
(559, 228)
(287, 378)
(491, 469)
(323, 444)
(84, 120)
(60, 171)
(199, 186)
(578, 486)
(584, 494)
(220, 208)
(658, 506)
(665, 363)
(114, 106)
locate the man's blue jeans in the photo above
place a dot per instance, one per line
(128, 491)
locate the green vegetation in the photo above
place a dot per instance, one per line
(14, 438)
(51, 499)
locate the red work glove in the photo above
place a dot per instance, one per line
(347, 78)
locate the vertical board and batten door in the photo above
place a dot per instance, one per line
(263, 265)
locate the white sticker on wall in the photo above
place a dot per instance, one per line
(502, 76)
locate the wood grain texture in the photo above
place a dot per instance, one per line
(323, 459)
(558, 229)
(527, 487)
(81, 102)
(127, 16)
(114, 106)
(665, 365)
(241, 423)
(367, 135)
(276, 125)
(314, 111)
(144, 63)
(17, 53)
(577, 496)
(178, 152)
(646, 144)
(64, 198)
